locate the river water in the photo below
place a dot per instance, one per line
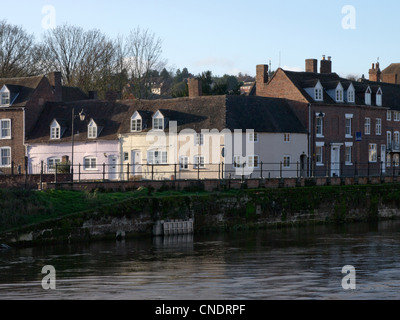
(301, 263)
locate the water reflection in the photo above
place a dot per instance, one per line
(302, 263)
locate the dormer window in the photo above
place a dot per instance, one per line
(5, 97)
(379, 98)
(158, 121)
(339, 93)
(318, 94)
(136, 123)
(368, 99)
(55, 130)
(92, 130)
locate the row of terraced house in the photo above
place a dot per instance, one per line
(293, 124)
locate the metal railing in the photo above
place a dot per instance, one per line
(261, 170)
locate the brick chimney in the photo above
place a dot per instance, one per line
(312, 65)
(195, 87)
(261, 79)
(375, 73)
(55, 82)
(326, 65)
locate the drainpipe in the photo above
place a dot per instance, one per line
(309, 139)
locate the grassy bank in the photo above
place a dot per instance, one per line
(20, 208)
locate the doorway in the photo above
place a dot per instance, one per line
(335, 161)
(136, 163)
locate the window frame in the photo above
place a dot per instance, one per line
(319, 153)
(5, 137)
(3, 165)
(199, 164)
(321, 126)
(92, 130)
(348, 154)
(379, 95)
(367, 124)
(351, 96)
(199, 139)
(184, 163)
(251, 161)
(55, 126)
(372, 153)
(368, 96)
(389, 115)
(56, 160)
(287, 162)
(378, 126)
(253, 137)
(349, 128)
(92, 166)
(136, 119)
(160, 120)
(318, 94)
(162, 155)
(339, 95)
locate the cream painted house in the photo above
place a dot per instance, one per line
(212, 137)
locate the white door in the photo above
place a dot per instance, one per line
(112, 168)
(136, 163)
(335, 161)
(383, 158)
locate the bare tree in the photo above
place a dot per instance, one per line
(18, 54)
(85, 58)
(143, 55)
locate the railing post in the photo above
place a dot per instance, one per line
(104, 172)
(12, 167)
(261, 168)
(219, 171)
(127, 172)
(280, 170)
(152, 172)
(175, 171)
(198, 168)
(298, 169)
(56, 177)
(26, 170)
(41, 175)
(368, 170)
(79, 172)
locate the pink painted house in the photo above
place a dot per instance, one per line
(93, 151)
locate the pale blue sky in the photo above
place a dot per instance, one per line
(231, 36)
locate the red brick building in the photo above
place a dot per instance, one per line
(21, 104)
(348, 121)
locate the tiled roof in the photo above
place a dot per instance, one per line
(303, 80)
(208, 112)
(391, 69)
(23, 87)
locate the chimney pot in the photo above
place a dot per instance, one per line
(326, 65)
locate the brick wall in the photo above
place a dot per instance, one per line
(16, 143)
(34, 107)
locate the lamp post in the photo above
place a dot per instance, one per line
(81, 116)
